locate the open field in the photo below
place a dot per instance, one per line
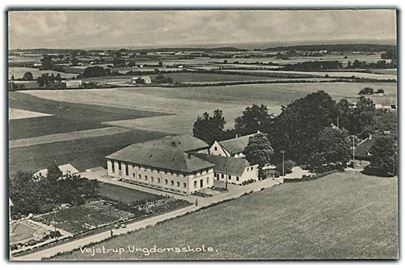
(67, 136)
(188, 102)
(340, 216)
(21, 114)
(65, 117)
(19, 72)
(81, 153)
(330, 74)
(122, 194)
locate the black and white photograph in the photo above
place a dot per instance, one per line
(257, 134)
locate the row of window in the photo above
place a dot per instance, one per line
(125, 170)
(222, 176)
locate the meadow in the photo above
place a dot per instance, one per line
(81, 153)
(341, 216)
(63, 116)
(185, 103)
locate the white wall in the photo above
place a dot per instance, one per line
(162, 179)
(250, 172)
(217, 150)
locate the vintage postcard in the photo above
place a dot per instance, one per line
(202, 134)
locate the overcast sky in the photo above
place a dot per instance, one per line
(84, 29)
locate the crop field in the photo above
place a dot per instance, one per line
(331, 74)
(65, 117)
(81, 153)
(122, 194)
(210, 77)
(19, 72)
(185, 103)
(340, 216)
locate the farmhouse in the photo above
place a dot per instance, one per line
(231, 170)
(232, 147)
(73, 83)
(141, 79)
(166, 164)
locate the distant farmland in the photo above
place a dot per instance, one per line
(81, 153)
(65, 117)
(185, 103)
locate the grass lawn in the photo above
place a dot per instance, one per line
(65, 117)
(341, 216)
(81, 153)
(123, 194)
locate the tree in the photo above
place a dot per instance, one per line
(362, 119)
(95, 71)
(259, 151)
(384, 155)
(28, 76)
(296, 128)
(209, 128)
(253, 119)
(366, 91)
(333, 148)
(54, 173)
(344, 114)
(12, 78)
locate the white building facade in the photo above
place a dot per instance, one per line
(166, 180)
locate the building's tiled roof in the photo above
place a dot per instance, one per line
(226, 165)
(162, 158)
(236, 145)
(185, 143)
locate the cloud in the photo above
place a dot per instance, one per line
(80, 29)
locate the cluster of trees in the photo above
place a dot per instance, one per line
(313, 130)
(97, 71)
(40, 195)
(50, 81)
(356, 64)
(366, 91)
(384, 156)
(331, 65)
(162, 79)
(314, 65)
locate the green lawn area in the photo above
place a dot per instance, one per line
(340, 216)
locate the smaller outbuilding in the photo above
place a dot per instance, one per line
(232, 170)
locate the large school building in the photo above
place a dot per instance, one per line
(181, 164)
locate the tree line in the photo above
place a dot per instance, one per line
(314, 130)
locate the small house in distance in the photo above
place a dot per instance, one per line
(232, 170)
(73, 83)
(141, 80)
(232, 147)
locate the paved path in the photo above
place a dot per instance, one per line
(233, 193)
(68, 136)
